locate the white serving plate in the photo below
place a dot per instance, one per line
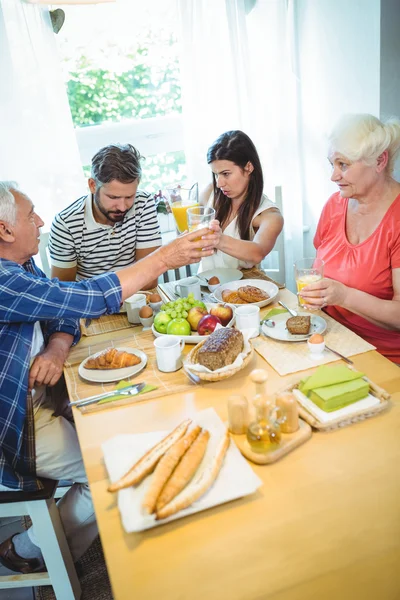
(235, 479)
(106, 375)
(224, 275)
(194, 338)
(267, 286)
(279, 332)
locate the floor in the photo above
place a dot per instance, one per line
(8, 527)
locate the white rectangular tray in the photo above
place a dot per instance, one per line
(235, 480)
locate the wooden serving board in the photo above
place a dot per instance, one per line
(289, 442)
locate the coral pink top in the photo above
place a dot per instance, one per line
(366, 266)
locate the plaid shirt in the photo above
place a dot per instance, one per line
(27, 296)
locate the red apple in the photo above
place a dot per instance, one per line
(194, 315)
(207, 324)
(224, 313)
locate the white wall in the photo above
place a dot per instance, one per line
(338, 46)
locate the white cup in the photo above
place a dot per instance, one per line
(248, 317)
(168, 353)
(133, 304)
(191, 285)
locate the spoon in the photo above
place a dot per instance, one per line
(290, 310)
(268, 322)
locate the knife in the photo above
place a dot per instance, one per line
(341, 355)
(127, 391)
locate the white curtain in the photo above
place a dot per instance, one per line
(239, 72)
(38, 147)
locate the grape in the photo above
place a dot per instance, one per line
(173, 314)
(184, 314)
(169, 311)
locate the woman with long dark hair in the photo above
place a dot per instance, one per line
(250, 222)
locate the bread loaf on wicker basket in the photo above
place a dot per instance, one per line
(221, 345)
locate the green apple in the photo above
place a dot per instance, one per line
(161, 321)
(178, 327)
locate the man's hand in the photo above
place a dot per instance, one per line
(48, 366)
(192, 247)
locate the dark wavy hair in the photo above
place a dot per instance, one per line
(237, 147)
(116, 162)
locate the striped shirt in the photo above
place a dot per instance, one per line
(77, 240)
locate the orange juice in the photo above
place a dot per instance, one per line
(304, 280)
(179, 212)
(193, 228)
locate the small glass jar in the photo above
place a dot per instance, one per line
(238, 409)
(288, 412)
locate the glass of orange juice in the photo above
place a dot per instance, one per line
(199, 217)
(306, 271)
(181, 198)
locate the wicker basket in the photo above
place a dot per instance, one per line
(361, 415)
(191, 359)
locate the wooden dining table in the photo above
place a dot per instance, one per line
(324, 525)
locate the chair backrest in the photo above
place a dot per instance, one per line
(273, 265)
(44, 254)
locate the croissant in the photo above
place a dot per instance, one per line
(111, 358)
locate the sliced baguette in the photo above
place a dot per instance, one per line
(184, 471)
(147, 463)
(200, 485)
(165, 467)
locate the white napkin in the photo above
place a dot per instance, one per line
(236, 363)
(348, 411)
(235, 480)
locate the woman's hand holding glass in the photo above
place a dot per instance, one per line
(323, 293)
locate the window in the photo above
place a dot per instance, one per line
(121, 70)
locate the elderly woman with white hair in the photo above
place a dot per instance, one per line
(358, 234)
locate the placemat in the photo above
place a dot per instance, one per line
(255, 273)
(290, 357)
(108, 323)
(166, 383)
(105, 324)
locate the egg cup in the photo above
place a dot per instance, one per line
(155, 306)
(316, 350)
(146, 322)
(213, 287)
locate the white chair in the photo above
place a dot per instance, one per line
(274, 264)
(44, 254)
(42, 509)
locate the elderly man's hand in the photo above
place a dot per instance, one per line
(323, 293)
(48, 366)
(192, 247)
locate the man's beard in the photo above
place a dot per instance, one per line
(113, 216)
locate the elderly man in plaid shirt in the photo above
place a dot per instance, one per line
(39, 321)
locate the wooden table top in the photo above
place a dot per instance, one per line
(324, 525)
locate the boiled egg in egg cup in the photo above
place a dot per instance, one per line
(146, 317)
(316, 345)
(213, 283)
(155, 302)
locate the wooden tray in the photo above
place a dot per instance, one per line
(361, 415)
(214, 376)
(289, 442)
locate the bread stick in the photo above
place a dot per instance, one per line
(200, 485)
(146, 464)
(184, 471)
(165, 467)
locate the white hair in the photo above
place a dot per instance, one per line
(364, 137)
(8, 206)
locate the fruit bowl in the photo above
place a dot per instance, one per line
(194, 337)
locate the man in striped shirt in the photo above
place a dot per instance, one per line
(110, 228)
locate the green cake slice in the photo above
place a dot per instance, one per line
(326, 376)
(333, 397)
